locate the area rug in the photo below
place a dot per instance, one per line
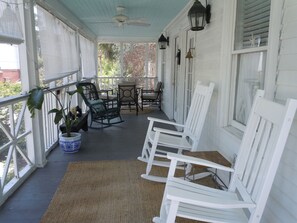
(107, 192)
(146, 110)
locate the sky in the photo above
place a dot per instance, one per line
(9, 56)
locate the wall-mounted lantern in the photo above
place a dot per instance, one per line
(178, 57)
(163, 42)
(199, 16)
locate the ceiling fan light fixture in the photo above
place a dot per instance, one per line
(120, 18)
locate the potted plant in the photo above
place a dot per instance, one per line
(69, 141)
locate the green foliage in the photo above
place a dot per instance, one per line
(108, 58)
(9, 89)
(36, 99)
(134, 57)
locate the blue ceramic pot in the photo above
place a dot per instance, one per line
(70, 144)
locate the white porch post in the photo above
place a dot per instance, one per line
(30, 79)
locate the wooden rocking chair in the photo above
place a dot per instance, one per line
(252, 177)
(187, 139)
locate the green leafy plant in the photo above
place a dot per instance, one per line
(36, 99)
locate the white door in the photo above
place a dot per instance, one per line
(175, 80)
(189, 73)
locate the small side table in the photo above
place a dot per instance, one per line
(82, 123)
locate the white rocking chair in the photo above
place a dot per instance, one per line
(252, 177)
(187, 139)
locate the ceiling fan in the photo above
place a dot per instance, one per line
(121, 19)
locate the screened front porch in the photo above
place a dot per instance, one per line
(58, 47)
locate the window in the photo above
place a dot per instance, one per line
(248, 57)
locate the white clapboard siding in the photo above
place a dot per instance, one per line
(207, 60)
(282, 203)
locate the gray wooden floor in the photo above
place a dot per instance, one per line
(119, 142)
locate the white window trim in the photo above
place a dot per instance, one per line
(228, 52)
(234, 55)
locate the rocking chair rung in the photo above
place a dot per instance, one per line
(160, 163)
(160, 155)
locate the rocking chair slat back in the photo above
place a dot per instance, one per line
(197, 113)
(261, 149)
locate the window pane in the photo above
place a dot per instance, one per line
(250, 78)
(252, 23)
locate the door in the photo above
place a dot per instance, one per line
(175, 79)
(189, 73)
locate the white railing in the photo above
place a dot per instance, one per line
(112, 82)
(17, 149)
(16, 160)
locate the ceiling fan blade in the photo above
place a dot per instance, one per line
(97, 22)
(137, 22)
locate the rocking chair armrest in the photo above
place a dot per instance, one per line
(165, 121)
(167, 131)
(204, 200)
(198, 161)
(95, 102)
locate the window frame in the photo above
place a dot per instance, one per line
(273, 47)
(233, 65)
(234, 72)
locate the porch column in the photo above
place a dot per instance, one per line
(30, 79)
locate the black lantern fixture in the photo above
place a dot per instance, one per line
(199, 16)
(163, 42)
(178, 57)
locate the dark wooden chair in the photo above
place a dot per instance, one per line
(128, 95)
(105, 112)
(152, 96)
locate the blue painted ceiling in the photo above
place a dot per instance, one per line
(145, 19)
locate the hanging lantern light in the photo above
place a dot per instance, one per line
(163, 42)
(199, 16)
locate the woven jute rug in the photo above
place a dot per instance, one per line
(146, 110)
(107, 192)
